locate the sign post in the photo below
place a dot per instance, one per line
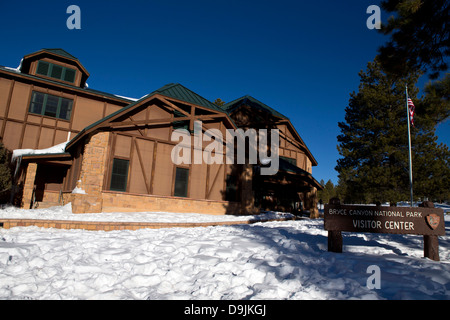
(428, 222)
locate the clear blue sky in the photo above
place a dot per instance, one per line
(299, 57)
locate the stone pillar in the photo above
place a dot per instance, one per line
(312, 203)
(247, 197)
(93, 170)
(28, 186)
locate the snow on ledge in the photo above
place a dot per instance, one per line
(59, 148)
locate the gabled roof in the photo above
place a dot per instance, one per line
(180, 92)
(172, 90)
(61, 52)
(252, 102)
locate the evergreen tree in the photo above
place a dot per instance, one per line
(5, 169)
(420, 37)
(437, 100)
(374, 142)
(219, 102)
(328, 192)
(321, 193)
(435, 109)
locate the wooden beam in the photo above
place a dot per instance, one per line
(130, 165)
(215, 179)
(155, 147)
(159, 121)
(207, 181)
(173, 106)
(8, 105)
(140, 131)
(147, 187)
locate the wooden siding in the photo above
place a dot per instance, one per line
(142, 136)
(20, 129)
(290, 145)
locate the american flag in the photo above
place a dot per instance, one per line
(411, 111)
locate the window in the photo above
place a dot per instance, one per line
(69, 75)
(50, 105)
(290, 160)
(119, 175)
(55, 71)
(43, 68)
(65, 109)
(181, 182)
(37, 102)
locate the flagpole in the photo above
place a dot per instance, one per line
(409, 143)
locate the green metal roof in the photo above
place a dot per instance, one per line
(252, 102)
(60, 52)
(180, 92)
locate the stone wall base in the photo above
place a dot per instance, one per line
(122, 202)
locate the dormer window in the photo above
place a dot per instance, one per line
(57, 65)
(55, 71)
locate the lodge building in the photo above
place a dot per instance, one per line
(107, 153)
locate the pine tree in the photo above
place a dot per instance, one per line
(321, 194)
(420, 37)
(219, 102)
(434, 109)
(328, 192)
(374, 142)
(5, 170)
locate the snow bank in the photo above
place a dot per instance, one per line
(274, 260)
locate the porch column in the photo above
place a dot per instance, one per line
(247, 198)
(92, 174)
(28, 186)
(311, 200)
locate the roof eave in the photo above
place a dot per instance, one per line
(87, 91)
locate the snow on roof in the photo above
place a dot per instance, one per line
(128, 98)
(18, 69)
(59, 148)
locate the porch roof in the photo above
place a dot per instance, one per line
(292, 171)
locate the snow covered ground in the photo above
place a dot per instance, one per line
(65, 213)
(270, 260)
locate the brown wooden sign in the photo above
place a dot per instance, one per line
(428, 222)
(378, 219)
